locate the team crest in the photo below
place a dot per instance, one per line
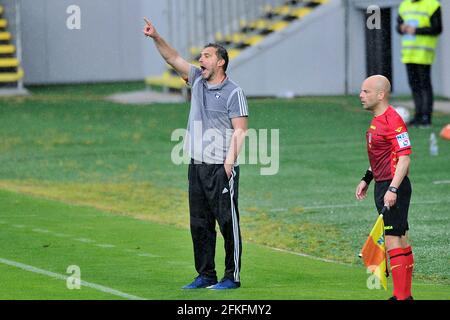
(217, 95)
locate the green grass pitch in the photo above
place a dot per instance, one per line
(90, 183)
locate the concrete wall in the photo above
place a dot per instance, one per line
(445, 50)
(440, 69)
(304, 59)
(108, 47)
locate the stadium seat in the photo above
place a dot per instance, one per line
(251, 32)
(7, 49)
(11, 77)
(10, 71)
(300, 12)
(5, 36)
(9, 62)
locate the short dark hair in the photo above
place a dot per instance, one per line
(221, 53)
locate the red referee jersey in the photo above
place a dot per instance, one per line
(387, 139)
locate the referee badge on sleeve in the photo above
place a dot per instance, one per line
(403, 140)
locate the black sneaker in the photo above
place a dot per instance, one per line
(425, 121)
(414, 122)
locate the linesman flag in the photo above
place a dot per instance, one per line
(373, 252)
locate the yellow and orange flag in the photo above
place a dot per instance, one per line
(373, 252)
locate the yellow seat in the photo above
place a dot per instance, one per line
(195, 63)
(5, 36)
(166, 80)
(300, 12)
(3, 23)
(11, 77)
(279, 25)
(253, 40)
(282, 10)
(1, 10)
(238, 37)
(233, 53)
(219, 37)
(228, 38)
(7, 49)
(9, 63)
(260, 24)
(195, 51)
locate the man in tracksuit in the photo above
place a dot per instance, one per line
(217, 127)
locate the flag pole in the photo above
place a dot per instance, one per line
(383, 212)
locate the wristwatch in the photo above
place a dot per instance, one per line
(393, 189)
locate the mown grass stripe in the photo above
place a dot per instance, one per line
(63, 277)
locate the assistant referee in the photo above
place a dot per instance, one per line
(388, 148)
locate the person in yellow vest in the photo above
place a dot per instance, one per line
(420, 23)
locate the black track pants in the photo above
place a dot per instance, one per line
(419, 77)
(213, 197)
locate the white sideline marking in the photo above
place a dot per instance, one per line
(40, 230)
(278, 209)
(147, 255)
(63, 277)
(105, 245)
(370, 205)
(441, 182)
(310, 257)
(85, 240)
(61, 235)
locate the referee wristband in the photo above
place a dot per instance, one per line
(368, 177)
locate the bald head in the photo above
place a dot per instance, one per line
(375, 92)
(380, 83)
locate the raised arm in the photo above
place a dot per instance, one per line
(167, 52)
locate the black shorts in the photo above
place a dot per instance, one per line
(396, 219)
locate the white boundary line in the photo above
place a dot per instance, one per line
(310, 256)
(441, 182)
(355, 205)
(63, 277)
